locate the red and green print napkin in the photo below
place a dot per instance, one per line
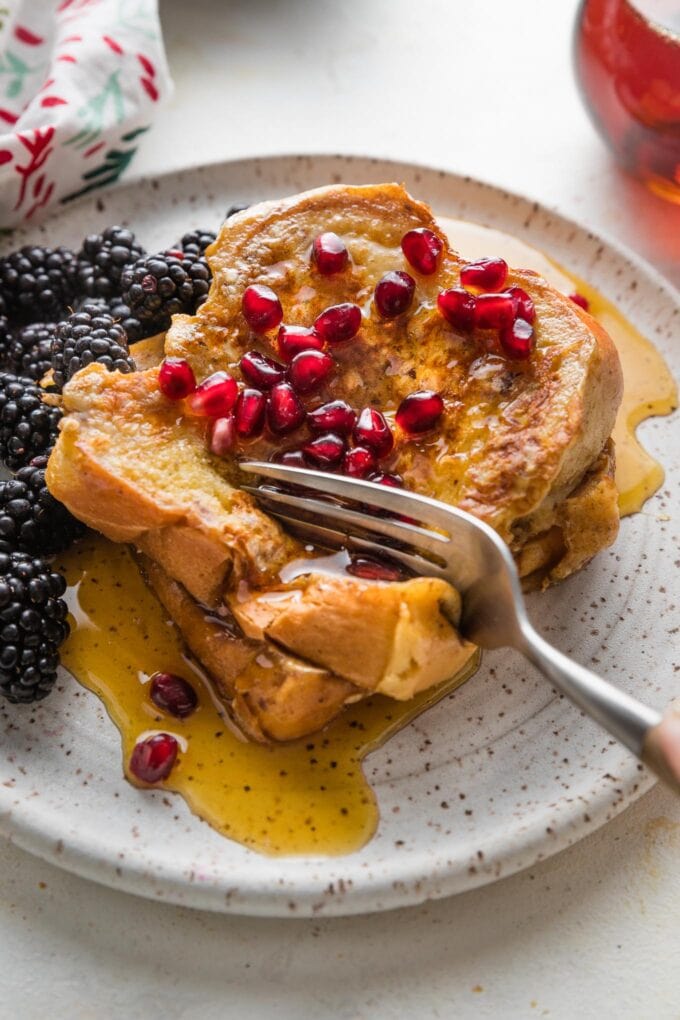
(80, 81)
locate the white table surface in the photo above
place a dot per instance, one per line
(480, 88)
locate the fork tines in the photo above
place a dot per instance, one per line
(333, 523)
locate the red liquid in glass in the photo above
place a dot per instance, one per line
(627, 56)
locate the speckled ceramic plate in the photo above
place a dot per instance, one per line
(497, 776)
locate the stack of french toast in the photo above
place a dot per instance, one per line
(523, 442)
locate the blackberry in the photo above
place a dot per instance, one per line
(135, 329)
(159, 286)
(196, 241)
(28, 426)
(30, 353)
(31, 519)
(32, 626)
(37, 283)
(89, 335)
(236, 208)
(102, 259)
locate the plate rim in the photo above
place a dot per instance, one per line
(411, 883)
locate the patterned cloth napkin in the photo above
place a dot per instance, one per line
(79, 83)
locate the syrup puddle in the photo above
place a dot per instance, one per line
(306, 797)
(310, 796)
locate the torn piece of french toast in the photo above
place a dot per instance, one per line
(523, 443)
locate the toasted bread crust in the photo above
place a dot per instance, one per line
(273, 696)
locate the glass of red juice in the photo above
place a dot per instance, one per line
(627, 61)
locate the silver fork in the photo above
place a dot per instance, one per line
(451, 544)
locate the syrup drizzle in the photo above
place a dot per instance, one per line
(310, 796)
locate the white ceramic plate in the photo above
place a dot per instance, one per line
(495, 777)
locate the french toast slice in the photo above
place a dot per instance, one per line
(523, 445)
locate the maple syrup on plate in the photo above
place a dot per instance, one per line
(309, 796)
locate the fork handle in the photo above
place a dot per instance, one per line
(655, 740)
(661, 749)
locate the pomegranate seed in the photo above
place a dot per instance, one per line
(372, 430)
(330, 253)
(494, 311)
(517, 340)
(525, 304)
(152, 759)
(422, 249)
(173, 694)
(486, 274)
(393, 480)
(375, 570)
(294, 339)
(261, 371)
(176, 379)
(284, 410)
(309, 369)
(249, 413)
(581, 300)
(336, 416)
(458, 307)
(338, 323)
(359, 462)
(261, 308)
(326, 450)
(222, 435)
(419, 411)
(293, 458)
(394, 294)
(215, 397)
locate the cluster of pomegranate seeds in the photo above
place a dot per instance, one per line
(419, 412)
(485, 274)
(309, 370)
(261, 308)
(152, 759)
(510, 311)
(249, 413)
(330, 254)
(215, 396)
(338, 323)
(173, 694)
(292, 340)
(422, 249)
(285, 412)
(261, 371)
(372, 430)
(581, 300)
(394, 293)
(176, 379)
(272, 392)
